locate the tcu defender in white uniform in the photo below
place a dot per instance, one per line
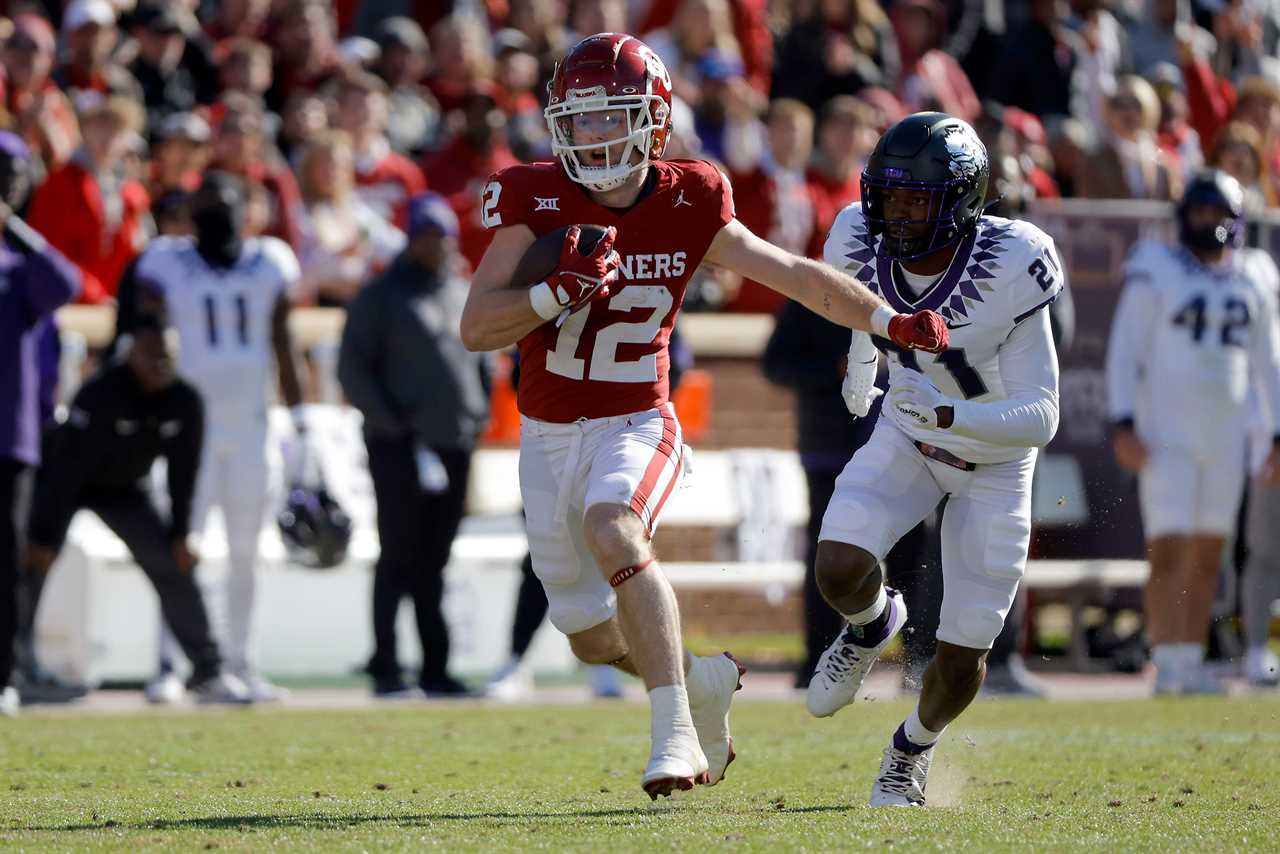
(1194, 334)
(964, 424)
(228, 299)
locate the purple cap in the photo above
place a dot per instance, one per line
(13, 146)
(431, 211)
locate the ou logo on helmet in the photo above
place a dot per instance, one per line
(654, 64)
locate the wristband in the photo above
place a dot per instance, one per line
(880, 320)
(544, 301)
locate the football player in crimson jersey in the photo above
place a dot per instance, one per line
(601, 448)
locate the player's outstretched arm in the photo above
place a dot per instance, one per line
(822, 289)
(497, 315)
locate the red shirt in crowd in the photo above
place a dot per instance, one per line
(100, 239)
(830, 196)
(385, 181)
(780, 213)
(458, 172)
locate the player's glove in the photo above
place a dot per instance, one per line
(915, 398)
(579, 278)
(924, 330)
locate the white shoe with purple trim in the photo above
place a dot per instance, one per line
(845, 664)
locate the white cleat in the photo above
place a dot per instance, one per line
(902, 778)
(260, 690)
(511, 684)
(723, 675)
(1262, 668)
(844, 665)
(165, 690)
(223, 689)
(676, 764)
(9, 701)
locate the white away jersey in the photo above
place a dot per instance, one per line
(1002, 274)
(1189, 342)
(223, 319)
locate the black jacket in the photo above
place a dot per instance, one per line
(106, 447)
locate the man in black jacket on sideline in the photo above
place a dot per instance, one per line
(100, 459)
(425, 401)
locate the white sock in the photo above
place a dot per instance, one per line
(669, 710)
(916, 732)
(872, 611)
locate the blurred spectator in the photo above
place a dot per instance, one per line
(34, 280)
(167, 87)
(179, 153)
(700, 30)
(1246, 34)
(1030, 147)
(245, 68)
(750, 30)
(1127, 164)
(460, 47)
(1213, 101)
(237, 19)
(33, 106)
(1175, 137)
(839, 47)
(240, 147)
(1038, 63)
(458, 171)
(1154, 34)
(588, 17)
(1105, 56)
(89, 37)
(357, 53)
(305, 115)
(729, 106)
(385, 179)
(344, 243)
(542, 23)
(846, 135)
(1238, 152)
(305, 54)
(413, 115)
(424, 398)
(1069, 145)
(87, 209)
(771, 195)
(519, 83)
(931, 79)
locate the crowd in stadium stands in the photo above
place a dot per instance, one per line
(338, 113)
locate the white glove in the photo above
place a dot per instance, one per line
(916, 398)
(859, 387)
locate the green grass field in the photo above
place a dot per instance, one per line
(1152, 775)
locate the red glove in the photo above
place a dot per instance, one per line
(924, 330)
(581, 278)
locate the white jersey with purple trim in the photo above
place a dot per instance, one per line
(1190, 342)
(223, 318)
(1002, 274)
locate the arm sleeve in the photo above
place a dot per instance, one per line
(1130, 339)
(358, 359)
(49, 280)
(183, 456)
(1028, 416)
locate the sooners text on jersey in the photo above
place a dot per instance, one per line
(610, 357)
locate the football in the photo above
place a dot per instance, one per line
(543, 255)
